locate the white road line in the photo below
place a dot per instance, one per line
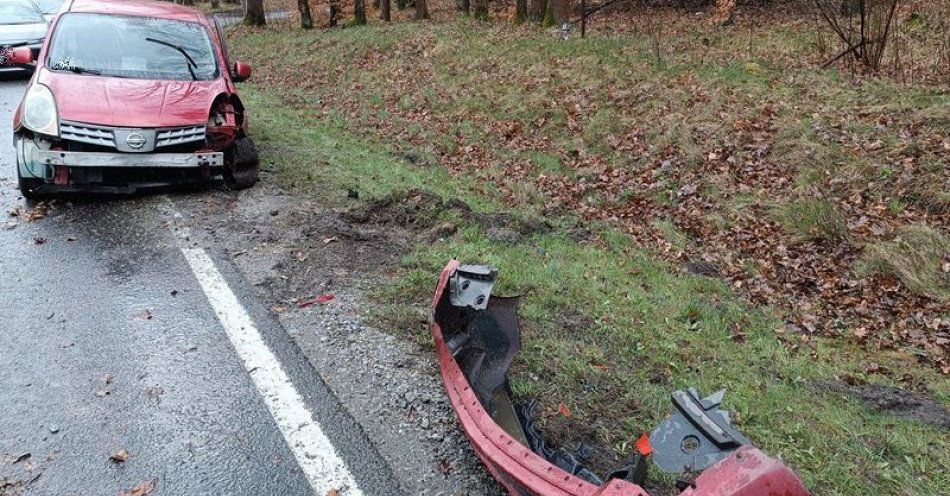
(315, 453)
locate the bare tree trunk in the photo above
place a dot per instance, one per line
(556, 14)
(481, 9)
(384, 12)
(334, 12)
(521, 11)
(359, 12)
(536, 10)
(254, 13)
(306, 20)
(465, 6)
(422, 11)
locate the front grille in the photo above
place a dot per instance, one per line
(179, 136)
(105, 136)
(86, 133)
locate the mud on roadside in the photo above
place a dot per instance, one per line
(890, 400)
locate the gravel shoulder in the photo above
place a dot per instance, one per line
(292, 250)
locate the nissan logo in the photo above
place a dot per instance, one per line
(135, 141)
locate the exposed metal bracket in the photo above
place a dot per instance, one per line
(696, 436)
(471, 286)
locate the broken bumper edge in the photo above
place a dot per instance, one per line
(130, 160)
(746, 472)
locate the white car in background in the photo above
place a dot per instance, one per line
(49, 8)
(21, 24)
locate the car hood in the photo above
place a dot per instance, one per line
(11, 34)
(132, 102)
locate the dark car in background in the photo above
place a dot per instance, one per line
(22, 24)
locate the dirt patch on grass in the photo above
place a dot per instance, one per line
(416, 209)
(421, 210)
(881, 398)
(322, 249)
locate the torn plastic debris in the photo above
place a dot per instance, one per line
(477, 336)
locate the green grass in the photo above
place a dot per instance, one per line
(812, 219)
(641, 316)
(915, 256)
(609, 329)
(321, 158)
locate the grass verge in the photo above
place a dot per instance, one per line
(610, 327)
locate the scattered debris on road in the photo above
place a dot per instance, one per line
(144, 314)
(104, 381)
(322, 299)
(143, 489)
(38, 212)
(120, 456)
(154, 394)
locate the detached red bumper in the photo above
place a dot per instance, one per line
(746, 472)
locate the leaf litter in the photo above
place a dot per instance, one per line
(631, 180)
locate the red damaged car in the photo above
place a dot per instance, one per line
(131, 94)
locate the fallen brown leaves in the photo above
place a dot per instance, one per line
(142, 489)
(718, 194)
(38, 212)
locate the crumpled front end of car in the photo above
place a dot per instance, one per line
(477, 337)
(86, 157)
(67, 155)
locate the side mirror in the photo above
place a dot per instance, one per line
(21, 56)
(241, 72)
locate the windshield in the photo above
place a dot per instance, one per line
(133, 47)
(49, 6)
(19, 13)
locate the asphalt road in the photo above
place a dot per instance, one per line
(113, 338)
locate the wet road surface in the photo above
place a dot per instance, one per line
(108, 342)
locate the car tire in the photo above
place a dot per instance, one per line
(243, 169)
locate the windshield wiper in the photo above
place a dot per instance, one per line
(82, 70)
(191, 62)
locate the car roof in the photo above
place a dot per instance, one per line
(145, 8)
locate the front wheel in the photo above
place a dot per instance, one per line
(243, 167)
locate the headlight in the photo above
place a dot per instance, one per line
(39, 111)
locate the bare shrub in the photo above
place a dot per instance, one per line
(864, 26)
